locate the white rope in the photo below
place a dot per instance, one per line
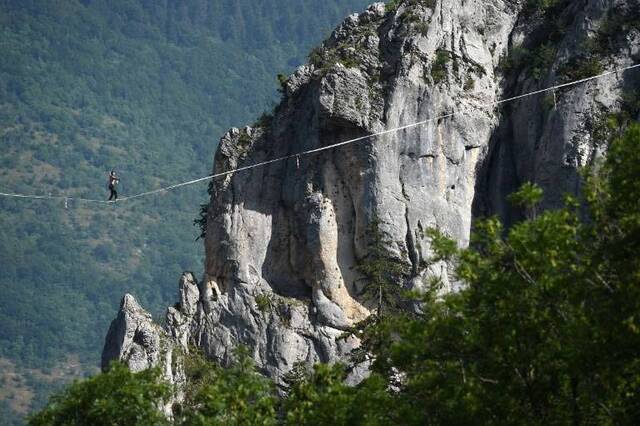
(327, 147)
(53, 197)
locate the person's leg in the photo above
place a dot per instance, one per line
(111, 192)
(115, 195)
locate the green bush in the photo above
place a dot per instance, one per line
(422, 28)
(237, 395)
(469, 84)
(117, 397)
(533, 6)
(537, 61)
(282, 82)
(581, 67)
(264, 303)
(383, 274)
(315, 57)
(439, 66)
(392, 5)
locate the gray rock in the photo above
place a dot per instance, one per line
(133, 338)
(296, 235)
(284, 240)
(546, 140)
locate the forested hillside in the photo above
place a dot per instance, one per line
(145, 87)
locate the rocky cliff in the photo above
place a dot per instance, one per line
(284, 241)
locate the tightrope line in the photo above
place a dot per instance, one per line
(54, 197)
(323, 148)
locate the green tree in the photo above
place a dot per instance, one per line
(384, 278)
(528, 197)
(323, 398)
(238, 395)
(117, 397)
(384, 273)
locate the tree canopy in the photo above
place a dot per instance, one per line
(117, 397)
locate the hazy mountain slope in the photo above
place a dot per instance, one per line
(145, 87)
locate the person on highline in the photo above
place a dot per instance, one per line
(113, 181)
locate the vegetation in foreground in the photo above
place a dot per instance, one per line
(547, 331)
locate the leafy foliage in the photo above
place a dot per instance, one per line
(384, 277)
(384, 274)
(540, 6)
(392, 5)
(439, 66)
(264, 302)
(199, 373)
(324, 398)
(537, 61)
(529, 196)
(235, 396)
(117, 397)
(581, 67)
(201, 220)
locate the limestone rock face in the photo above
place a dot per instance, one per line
(133, 337)
(284, 240)
(136, 340)
(293, 233)
(546, 138)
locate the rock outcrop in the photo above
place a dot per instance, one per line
(284, 240)
(135, 339)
